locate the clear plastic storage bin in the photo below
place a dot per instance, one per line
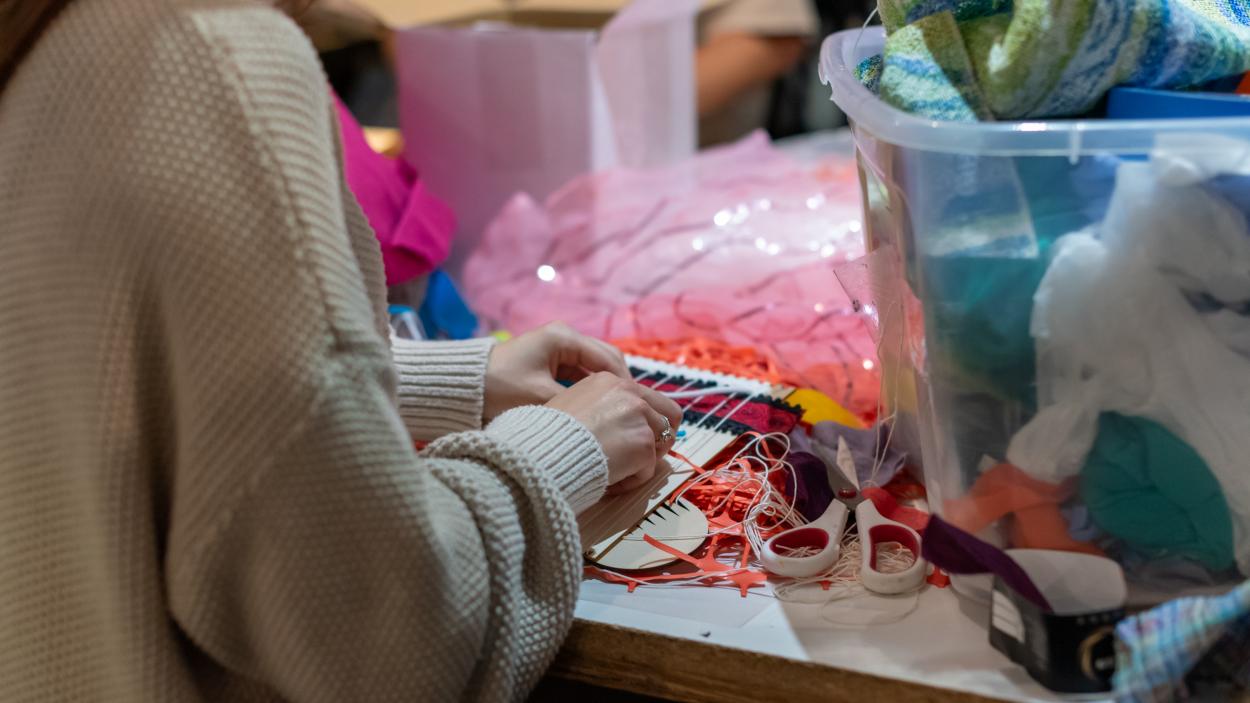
(1064, 310)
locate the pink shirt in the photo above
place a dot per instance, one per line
(413, 227)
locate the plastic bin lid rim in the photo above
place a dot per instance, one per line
(1069, 137)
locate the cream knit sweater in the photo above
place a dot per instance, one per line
(208, 490)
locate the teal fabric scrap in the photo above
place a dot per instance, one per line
(979, 301)
(977, 323)
(1148, 488)
(868, 72)
(967, 60)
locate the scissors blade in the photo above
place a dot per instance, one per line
(842, 476)
(846, 463)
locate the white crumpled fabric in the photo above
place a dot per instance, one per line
(1115, 331)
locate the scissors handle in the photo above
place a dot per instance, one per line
(819, 543)
(875, 530)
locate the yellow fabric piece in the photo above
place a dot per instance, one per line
(818, 407)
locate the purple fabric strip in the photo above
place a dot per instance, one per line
(809, 484)
(958, 552)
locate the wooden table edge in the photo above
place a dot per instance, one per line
(652, 664)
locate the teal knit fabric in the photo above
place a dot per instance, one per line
(1145, 486)
(967, 60)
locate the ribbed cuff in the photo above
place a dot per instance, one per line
(562, 447)
(441, 385)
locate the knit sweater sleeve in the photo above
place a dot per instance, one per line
(311, 551)
(441, 385)
(359, 570)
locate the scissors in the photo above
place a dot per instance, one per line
(812, 549)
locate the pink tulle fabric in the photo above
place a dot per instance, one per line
(413, 227)
(739, 245)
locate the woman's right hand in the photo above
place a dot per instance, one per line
(627, 418)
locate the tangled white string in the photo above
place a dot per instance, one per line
(846, 602)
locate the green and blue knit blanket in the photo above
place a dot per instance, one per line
(968, 60)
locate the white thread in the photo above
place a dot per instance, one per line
(710, 390)
(796, 552)
(892, 418)
(768, 502)
(855, 48)
(844, 574)
(728, 390)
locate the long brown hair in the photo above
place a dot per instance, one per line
(23, 22)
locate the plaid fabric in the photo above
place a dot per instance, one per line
(1156, 650)
(1229, 660)
(1016, 59)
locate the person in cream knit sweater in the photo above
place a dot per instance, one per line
(208, 484)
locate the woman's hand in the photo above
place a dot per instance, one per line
(527, 370)
(628, 419)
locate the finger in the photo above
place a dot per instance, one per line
(632, 482)
(591, 354)
(617, 357)
(658, 424)
(662, 404)
(662, 467)
(572, 374)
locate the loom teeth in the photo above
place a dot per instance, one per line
(710, 429)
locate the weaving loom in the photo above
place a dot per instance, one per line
(708, 427)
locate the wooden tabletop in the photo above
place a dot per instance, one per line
(657, 665)
(713, 644)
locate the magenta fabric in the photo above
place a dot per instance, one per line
(413, 227)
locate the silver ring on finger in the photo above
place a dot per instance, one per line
(666, 436)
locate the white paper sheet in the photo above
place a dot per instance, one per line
(943, 643)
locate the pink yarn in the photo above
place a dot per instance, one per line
(413, 227)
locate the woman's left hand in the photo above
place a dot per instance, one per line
(527, 370)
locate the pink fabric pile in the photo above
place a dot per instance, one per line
(738, 244)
